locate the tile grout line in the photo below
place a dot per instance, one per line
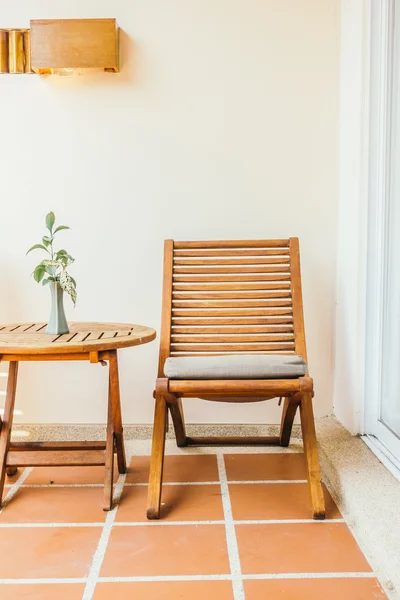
(286, 521)
(223, 577)
(43, 581)
(15, 487)
(103, 541)
(214, 577)
(168, 523)
(50, 525)
(233, 482)
(166, 483)
(328, 575)
(231, 541)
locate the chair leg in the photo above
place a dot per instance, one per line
(311, 455)
(157, 459)
(6, 424)
(288, 414)
(178, 419)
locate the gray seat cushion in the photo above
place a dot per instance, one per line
(235, 366)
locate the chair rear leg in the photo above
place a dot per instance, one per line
(288, 415)
(178, 419)
(311, 455)
(157, 459)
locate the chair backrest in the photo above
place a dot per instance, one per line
(231, 297)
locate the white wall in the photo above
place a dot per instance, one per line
(222, 124)
(352, 215)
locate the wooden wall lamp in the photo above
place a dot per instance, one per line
(61, 47)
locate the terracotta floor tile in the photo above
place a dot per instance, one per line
(276, 501)
(70, 591)
(67, 475)
(47, 552)
(166, 550)
(179, 503)
(55, 505)
(179, 468)
(165, 590)
(253, 467)
(299, 548)
(314, 589)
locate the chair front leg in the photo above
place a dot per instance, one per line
(157, 458)
(311, 456)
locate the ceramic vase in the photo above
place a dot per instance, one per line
(57, 322)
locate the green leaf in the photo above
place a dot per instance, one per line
(50, 270)
(45, 281)
(60, 227)
(46, 240)
(73, 281)
(38, 273)
(35, 247)
(61, 253)
(50, 220)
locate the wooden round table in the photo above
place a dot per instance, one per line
(95, 342)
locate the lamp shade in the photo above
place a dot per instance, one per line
(69, 44)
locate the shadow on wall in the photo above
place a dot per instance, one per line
(129, 60)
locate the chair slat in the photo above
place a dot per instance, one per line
(233, 330)
(231, 261)
(277, 303)
(227, 339)
(224, 287)
(245, 352)
(178, 278)
(233, 252)
(233, 313)
(232, 244)
(226, 295)
(232, 348)
(212, 270)
(236, 321)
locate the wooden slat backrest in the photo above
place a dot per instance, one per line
(231, 297)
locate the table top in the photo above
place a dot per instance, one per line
(31, 338)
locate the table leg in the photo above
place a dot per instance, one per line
(109, 466)
(117, 418)
(6, 424)
(114, 432)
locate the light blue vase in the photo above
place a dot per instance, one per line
(57, 323)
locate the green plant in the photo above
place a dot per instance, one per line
(54, 267)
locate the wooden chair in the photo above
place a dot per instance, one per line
(233, 297)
